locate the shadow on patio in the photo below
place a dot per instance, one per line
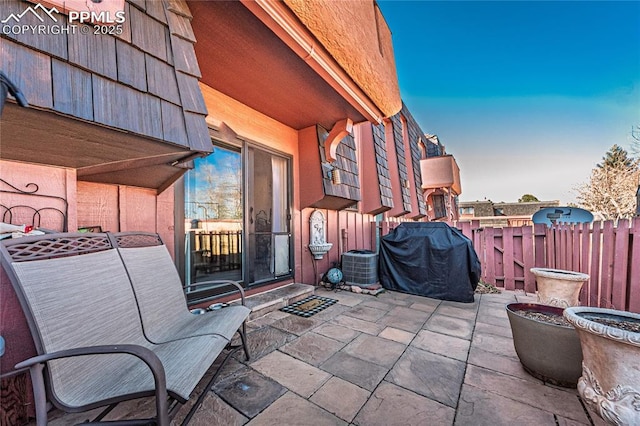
(391, 359)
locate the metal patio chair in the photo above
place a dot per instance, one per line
(161, 299)
(85, 322)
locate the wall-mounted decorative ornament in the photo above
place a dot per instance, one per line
(318, 235)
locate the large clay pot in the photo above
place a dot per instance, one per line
(610, 382)
(557, 287)
(547, 351)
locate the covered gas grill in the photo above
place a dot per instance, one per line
(429, 259)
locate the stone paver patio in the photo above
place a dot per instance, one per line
(392, 359)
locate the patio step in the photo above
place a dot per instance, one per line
(263, 303)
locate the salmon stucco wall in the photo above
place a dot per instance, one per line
(126, 208)
(346, 229)
(39, 180)
(356, 34)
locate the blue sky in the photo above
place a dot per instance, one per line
(528, 96)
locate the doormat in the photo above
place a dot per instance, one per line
(309, 306)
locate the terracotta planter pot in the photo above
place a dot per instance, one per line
(557, 287)
(610, 382)
(547, 351)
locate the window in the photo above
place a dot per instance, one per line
(466, 210)
(439, 206)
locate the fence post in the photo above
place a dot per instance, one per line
(620, 265)
(528, 258)
(550, 247)
(465, 227)
(596, 244)
(606, 278)
(575, 246)
(489, 247)
(634, 274)
(508, 259)
(540, 245)
(585, 234)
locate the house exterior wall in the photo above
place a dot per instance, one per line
(414, 154)
(377, 195)
(357, 36)
(117, 208)
(99, 82)
(346, 229)
(101, 78)
(50, 181)
(402, 198)
(131, 84)
(513, 214)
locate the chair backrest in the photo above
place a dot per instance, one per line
(155, 281)
(75, 292)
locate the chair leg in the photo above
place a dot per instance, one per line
(39, 394)
(243, 337)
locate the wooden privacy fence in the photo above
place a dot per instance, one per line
(609, 253)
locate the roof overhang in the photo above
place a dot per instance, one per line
(98, 153)
(273, 64)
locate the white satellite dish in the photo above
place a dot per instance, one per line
(553, 215)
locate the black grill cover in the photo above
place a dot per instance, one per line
(429, 259)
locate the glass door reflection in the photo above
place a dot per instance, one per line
(213, 218)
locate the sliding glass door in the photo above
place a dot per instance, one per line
(268, 216)
(237, 216)
(214, 217)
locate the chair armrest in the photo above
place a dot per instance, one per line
(219, 284)
(147, 355)
(36, 364)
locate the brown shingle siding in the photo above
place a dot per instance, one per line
(190, 94)
(155, 9)
(126, 25)
(117, 81)
(142, 4)
(131, 66)
(402, 164)
(386, 196)
(125, 108)
(54, 45)
(147, 34)
(161, 79)
(173, 128)
(179, 7)
(180, 26)
(346, 163)
(197, 131)
(415, 133)
(29, 70)
(72, 91)
(96, 53)
(184, 57)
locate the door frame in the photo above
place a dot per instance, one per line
(222, 139)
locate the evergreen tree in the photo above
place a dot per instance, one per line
(616, 158)
(527, 198)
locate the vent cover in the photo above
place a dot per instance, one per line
(360, 268)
